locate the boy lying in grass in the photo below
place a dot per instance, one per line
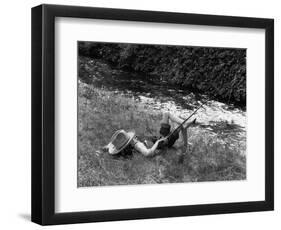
(123, 142)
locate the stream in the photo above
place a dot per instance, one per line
(216, 117)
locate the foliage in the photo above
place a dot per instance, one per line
(218, 72)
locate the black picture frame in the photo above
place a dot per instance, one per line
(43, 114)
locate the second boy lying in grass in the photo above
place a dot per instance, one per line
(123, 142)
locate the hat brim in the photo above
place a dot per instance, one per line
(114, 151)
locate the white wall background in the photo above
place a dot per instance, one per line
(15, 118)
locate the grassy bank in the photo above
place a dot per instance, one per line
(101, 113)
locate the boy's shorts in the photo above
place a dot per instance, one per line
(164, 131)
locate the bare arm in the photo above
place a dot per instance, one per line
(140, 147)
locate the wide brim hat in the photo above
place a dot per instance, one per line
(119, 141)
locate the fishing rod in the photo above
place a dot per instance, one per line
(176, 129)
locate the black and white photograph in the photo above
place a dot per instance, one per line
(153, 114)
(140, 114)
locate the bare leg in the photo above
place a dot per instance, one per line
(184, 138)
(176, 119)
(165, 118)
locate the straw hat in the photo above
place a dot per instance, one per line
(119, 141)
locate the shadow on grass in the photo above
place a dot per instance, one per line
(25, 216)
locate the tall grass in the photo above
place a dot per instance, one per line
(101, 113)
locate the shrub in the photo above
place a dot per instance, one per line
(218, 72)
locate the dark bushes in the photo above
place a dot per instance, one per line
(218, 72)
